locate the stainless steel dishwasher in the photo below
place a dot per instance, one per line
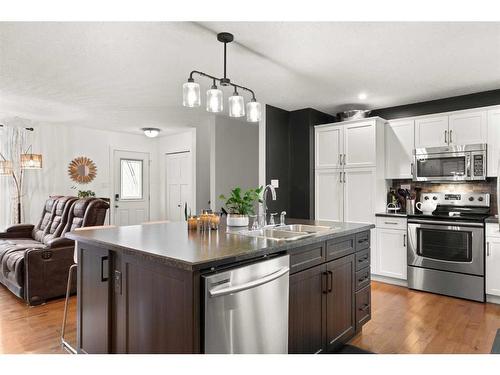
(246, 308)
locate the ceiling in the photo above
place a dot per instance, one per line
(124, 76)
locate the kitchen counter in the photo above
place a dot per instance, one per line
(390, 214)
(492, 219)
(173, 244)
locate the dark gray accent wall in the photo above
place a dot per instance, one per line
(454, 103)
(290, 158)
(278, 156)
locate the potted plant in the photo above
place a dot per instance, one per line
(240, 204)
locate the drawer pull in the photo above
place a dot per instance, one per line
(363, 279)
(365, 307)
(390, 222)
(362, 259)
(362, 241)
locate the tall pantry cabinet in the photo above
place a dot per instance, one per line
(349, 171)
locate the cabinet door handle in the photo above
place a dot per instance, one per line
(330, 281)
(324, 282)
(365, 307)
(446, 136)
(344, 178)
(344, 159)
(340, 159)
(488, 251)
(404, 240)
(411, 169)
(104, 269)
(451, 132)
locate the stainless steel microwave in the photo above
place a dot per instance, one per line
(452, 163)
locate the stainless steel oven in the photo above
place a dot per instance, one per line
(453, 163)
(446, 245)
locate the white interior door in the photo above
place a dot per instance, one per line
(179, 184)
(131, 184)
(359, 144)
(329, 195)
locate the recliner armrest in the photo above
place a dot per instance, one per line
(18, 230)
(60, 242)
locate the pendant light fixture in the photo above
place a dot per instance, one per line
(191, 91)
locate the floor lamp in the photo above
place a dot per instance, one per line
(27, 160)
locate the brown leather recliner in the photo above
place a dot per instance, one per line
(34, 260)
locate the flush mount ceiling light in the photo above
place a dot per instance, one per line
(191, 96)
(151, 132)
(362, 96)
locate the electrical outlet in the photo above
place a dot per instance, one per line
(275, 183)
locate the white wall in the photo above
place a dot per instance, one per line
(59, 144)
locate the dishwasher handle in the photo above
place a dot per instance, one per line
(251, 284)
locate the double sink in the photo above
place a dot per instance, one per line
(287, 232)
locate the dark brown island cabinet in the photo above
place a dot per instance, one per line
(133, 301)
(329, 293)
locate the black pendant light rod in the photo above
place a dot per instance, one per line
(225, 38)
(221, 80)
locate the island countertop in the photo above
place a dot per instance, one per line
(173, 244)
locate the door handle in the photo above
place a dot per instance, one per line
(330, 281)
(251, 284)
(344, 178)
(340, 159)
(451, 132)
(488, 251)
(104, 269)
(344, 159)
(116, 206)
(446, 136)
(324, 282)
(340, 177)
(404, 240)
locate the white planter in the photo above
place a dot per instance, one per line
(234, 220)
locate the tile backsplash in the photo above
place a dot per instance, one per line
(488, 186)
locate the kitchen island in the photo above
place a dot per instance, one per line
(140, 288)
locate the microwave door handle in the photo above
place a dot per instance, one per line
(468, 174)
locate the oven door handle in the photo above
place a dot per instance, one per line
(452, 223)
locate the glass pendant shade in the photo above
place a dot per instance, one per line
(191, 94)
(253, 111)
(214, 100)
(5, 167)
(236, 106)
(31, 161)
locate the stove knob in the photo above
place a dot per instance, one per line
(435, 198)
(472, 198)
(426, 197)
(480, 199)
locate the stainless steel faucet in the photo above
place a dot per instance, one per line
(264, 200)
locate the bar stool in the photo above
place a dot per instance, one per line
(65, 345)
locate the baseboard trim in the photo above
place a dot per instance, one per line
(493, 299)
(389, 280)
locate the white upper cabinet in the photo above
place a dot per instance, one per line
(329, 146)
(399, 145)
(359, 196)
(493, 141)
(468, 128)
(329, 194)
(431, 132)
(359, 144)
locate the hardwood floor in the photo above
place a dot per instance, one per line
(403, 321)
(407, 321)
(36, 329)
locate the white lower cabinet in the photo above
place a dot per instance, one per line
(391, 252)
(493, 265)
